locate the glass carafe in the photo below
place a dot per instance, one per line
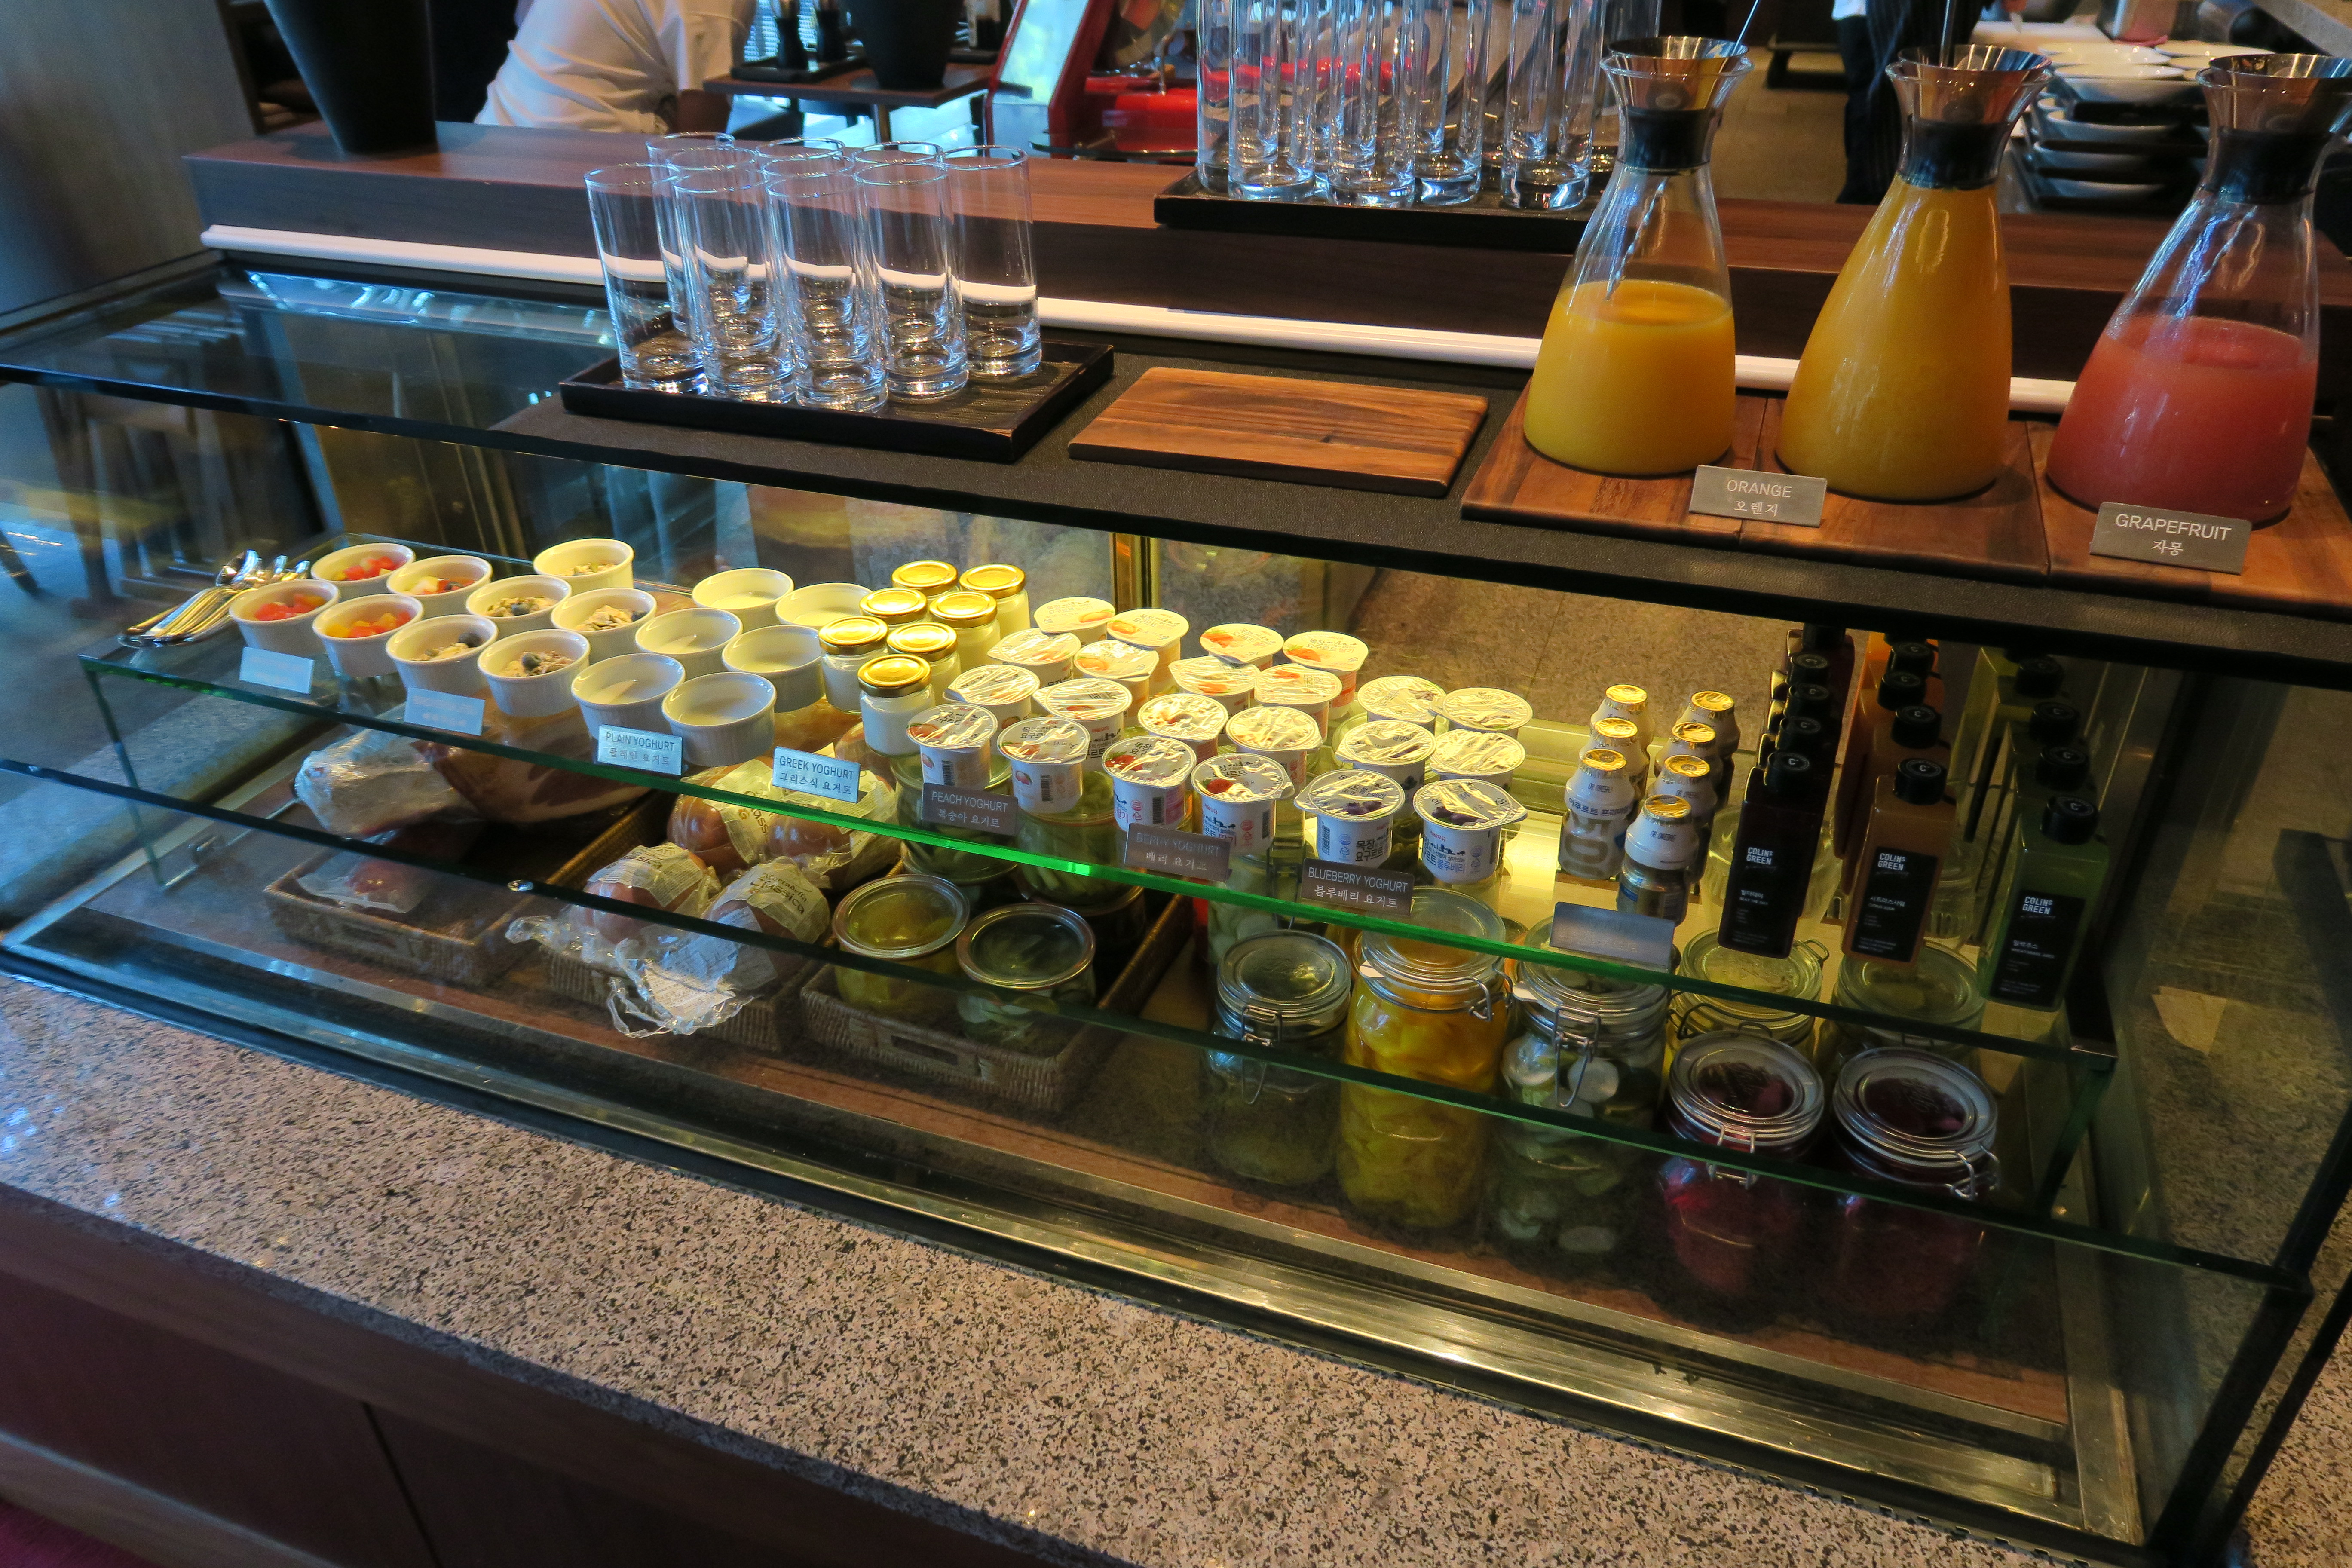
(1635, 374)
(2198, 395)
(1903, 392)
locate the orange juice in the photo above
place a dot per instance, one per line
(1637, 380)
(1903, 393)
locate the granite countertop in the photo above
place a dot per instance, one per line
(1042, 1411)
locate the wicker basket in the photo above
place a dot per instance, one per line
(1045, 1082)
(755, 1027)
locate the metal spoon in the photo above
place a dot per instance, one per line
(233, 568)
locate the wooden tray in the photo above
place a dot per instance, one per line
(757, 1025)
(1995, 533)
(1045, 1082)
(993, 421)
(2301, 565)
(1347, 435)
(1483, 222)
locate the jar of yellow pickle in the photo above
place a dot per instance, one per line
(912, 922)
(1439, 1014)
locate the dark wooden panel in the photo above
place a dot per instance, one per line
(1519, 484)
(1347, 435)
(232, 1308)
(231, 1438)
(162, 1530)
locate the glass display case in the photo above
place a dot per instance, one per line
(1876, 1118)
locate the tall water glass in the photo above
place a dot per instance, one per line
(819, 239)
(896, 153)
(1554, 87)
(1373, 100)
(624, 206)
(742, 326)
(1214, 123)
(1274, 99)
(996, 264)
(787, 151)
(687, 150)
(909, 247)
(1452, 87)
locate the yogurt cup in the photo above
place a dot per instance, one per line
(460, 673)
(293, 634)
(1160, 631)
(1237, 795)
(330, 567)
(1284, 735)
(1099, 705)
(496, 601)
(724, 718)
(1048, 655)
(588, 564)
(628, 691)
(1239, 642)
(848, 642)
(749, 593)
(1006, 691)
(1197, 721)
(363, 655)
(1137, 669)
(1088, 620)
(1406, 698)
(1354, 815)
(1049, 759)
(603, 642)
(1335, 652)
(1477, 754)
(463, 573)
(1484, 707)
(1230, 684)
(696, 639)
(1150, 781)
(1462, 824)
(815, 603)
(524, 693)
(1008, 585)
(1390, 748)
(790, 659)
(957, 743)
(1302, 686)
(895, 606)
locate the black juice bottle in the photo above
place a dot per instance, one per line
(2056, 866)
(1772, 852)
(1896, 689)
(1901, 857)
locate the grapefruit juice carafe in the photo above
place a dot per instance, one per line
(1636, 371)
(1903, 392)
(2198, 395)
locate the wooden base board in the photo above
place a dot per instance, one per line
(1347, 434)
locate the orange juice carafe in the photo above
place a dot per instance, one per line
(2198, 395)
(1903, 392)
(1636, 371)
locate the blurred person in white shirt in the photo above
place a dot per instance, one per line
(619, 65)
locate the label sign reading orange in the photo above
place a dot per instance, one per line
(1793, 499)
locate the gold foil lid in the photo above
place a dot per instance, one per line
(1239, 640)
(892, 674)
(1183, 716)
(996, 580)
(1390, 743)
(924, 639)
(1086, 698)
(1602, 760)
(1241, 777)
(1030, 646)
(1153, 629)
(1692, 733)
(852, 634)
(1620, 733)
(1069, 615)
(952, 727)
(1467, 803)
(1626, 695)
(1477, 754)
(1666, 808)
(1355, 796)
(1044, 741)
(925, 577)
(963, 608)
(1408, 697)
(894, 607)
(1484, 707)
(1211, 677)
(1686, 766)
(1274, 730)
(1711, 701)
(1327, 651)
(1149, 759)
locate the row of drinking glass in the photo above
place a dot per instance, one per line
(1390, 103)
(808, 272)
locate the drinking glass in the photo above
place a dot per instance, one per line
(909, 247)
(895, 153)
(1274, 99)
(1554, 85)
(1370, 101)
(687, 150)
(625, 205)
(739, 331)
(1215, 119)
(1451, 85)
(785, 152)
(819, 239)
(996, 264)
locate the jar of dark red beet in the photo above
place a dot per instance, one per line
(1730, 1229)
(1907, 1116)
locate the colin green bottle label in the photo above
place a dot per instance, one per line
(1758, 912)
(2031, 963)
(1895, 894)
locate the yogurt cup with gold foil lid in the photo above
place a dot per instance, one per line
(1082, 618)
(1302, 686)
(1238, 642)
(1476, 754)
(1008, 585)
(955, 741)
(1486, 708)
(848, 642)
(1048, 758)
(1150, 781)
(1335, 652)
(1198, 721)
(892, 689)
(1226, 683)
(972, 616)
(1048, 655)
(1160, 631)
(932, 642)
(1462, 824)
(895, 606)
(928, 578)
(1100, 706)
(1238, 793)
(1406, 698)
(1110, 659)
(1390, 748)
(1005, 690)
(1354, 815)
(1284, 734)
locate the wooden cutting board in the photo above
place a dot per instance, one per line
(1334, 433)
